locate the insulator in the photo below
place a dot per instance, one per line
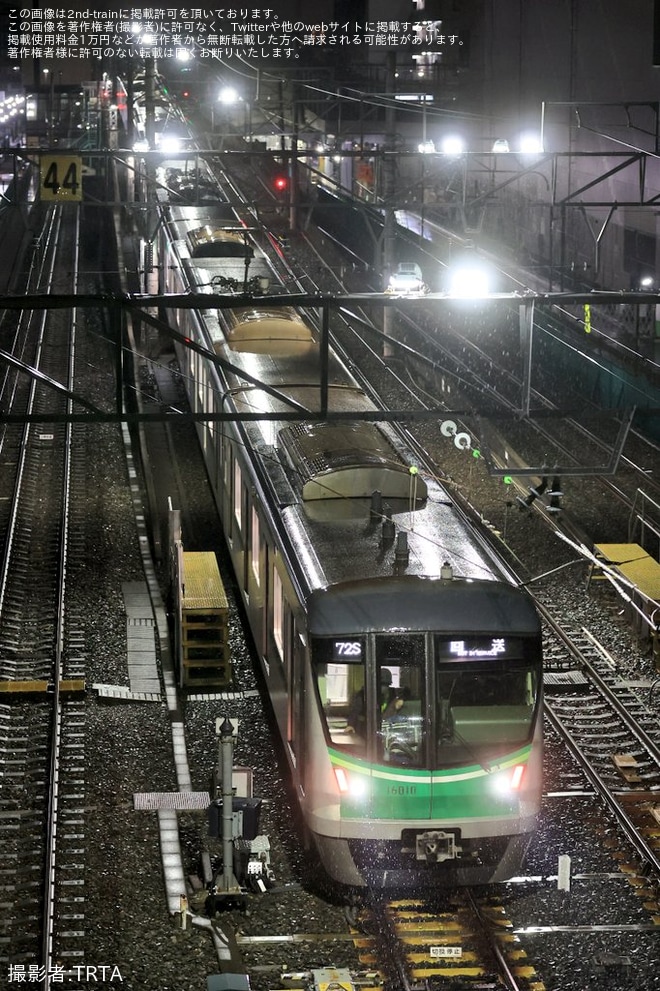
(388, 529)
(148, 256)
(376, 504)
(401, 553)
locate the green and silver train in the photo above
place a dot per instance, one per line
(403, 666)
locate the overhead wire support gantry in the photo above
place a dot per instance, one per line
(140, 307)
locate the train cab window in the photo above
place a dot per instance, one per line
(400, 716)
(339, 670)
(486, 696)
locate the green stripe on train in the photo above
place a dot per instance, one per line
(382, 792)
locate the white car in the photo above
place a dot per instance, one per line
(407, 278)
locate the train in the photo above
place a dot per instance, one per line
(402, 662)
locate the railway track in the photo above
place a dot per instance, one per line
(467, 941)
(606, 720)
(41, 646)
(413, 942)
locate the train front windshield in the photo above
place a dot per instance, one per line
(427, 700)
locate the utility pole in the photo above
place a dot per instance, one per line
(149, 104)
(293, 162)
(151, 218)
(389, 186)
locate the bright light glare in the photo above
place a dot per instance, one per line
(427, 147)
(228, 95)
(357, 787)
(170, 144)
(501, 145)
(531, 144)
(469, 281)
(183, 55)
(509, 781)
(141, 146)
(453, 145)
(350, 784)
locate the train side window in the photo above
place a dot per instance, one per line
(255, 546)
(219, 458)
(226, 464)
(288, 633)
(238, 495)
(211, 425)
(200, 380)
(278, 612)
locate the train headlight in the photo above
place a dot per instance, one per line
(509, 781)
(353, 786)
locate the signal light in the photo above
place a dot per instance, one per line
(280, 183)
(186, 93)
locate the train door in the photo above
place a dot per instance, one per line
(401, 735)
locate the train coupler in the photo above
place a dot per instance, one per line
(435, 845)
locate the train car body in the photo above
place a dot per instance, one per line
(404, 670)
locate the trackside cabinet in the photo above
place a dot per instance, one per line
(203, 616)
